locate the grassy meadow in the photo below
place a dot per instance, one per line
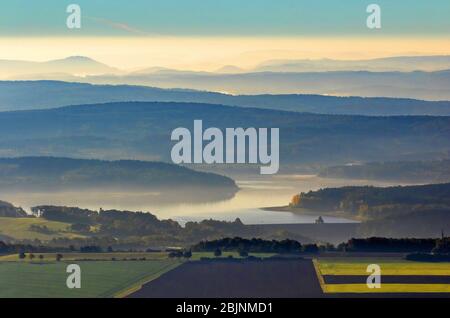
(19, 228)
(98, 278)
(113, 274)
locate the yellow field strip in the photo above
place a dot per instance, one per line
(393, 269)
(387, 268)
(387, 288)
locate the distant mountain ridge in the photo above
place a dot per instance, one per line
(419, 77)
(402, 171)
(386, 64)
(26, 95)
(417, 84)
(75, 65)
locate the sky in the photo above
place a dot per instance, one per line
(205, 34)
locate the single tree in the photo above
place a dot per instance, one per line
(217, 252)
(187, 254)
(243, 253)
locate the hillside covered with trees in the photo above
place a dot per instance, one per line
(9, 210)
(138, 229)
(43, 94)
(370, 202)
(400, 171)
(50, 173)
(142, 130)
(415, 211)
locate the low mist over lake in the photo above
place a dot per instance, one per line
(254, 193)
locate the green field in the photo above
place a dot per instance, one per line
(19, 228)
(389, 266)
(98, 278)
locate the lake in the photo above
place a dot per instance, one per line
(255, 192)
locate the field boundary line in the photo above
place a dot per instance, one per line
(319, 275)
(148, 278)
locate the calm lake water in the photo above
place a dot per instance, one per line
(254, 193)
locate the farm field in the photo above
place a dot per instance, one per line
(98, 278)
(347, 275)
(114, 274)
(358, 266)
(19, 228)
(292, 278)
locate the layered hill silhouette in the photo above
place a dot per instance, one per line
(386, 64)
(21, 95)
(420, 77)
(142, 130)
(169, 182)
(74, 65)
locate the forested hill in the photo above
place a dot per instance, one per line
(367, 200)
(9, 210)
(42, 173)
(401, 211)
(21, 95)
(142, 130)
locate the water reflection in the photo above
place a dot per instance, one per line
(255, 192)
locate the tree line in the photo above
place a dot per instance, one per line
(440, 246)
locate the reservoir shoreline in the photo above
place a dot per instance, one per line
(306, 212)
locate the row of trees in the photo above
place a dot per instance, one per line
(245, 246)
(41, 257)
(22, 249)
(381, 244)
(372, 244)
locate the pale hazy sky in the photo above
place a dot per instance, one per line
(204, 34)
(208, 53)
